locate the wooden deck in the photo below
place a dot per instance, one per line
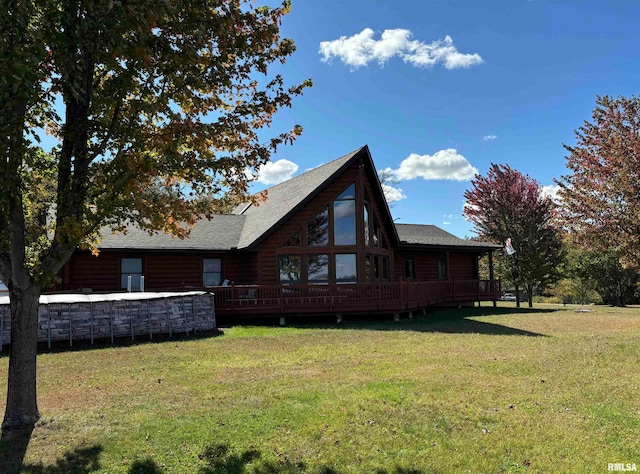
(388, 297)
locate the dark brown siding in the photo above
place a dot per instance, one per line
(162, 271)
(166, 271)
(426, 264)
(241, 268)
(462, 266)
(100, 273)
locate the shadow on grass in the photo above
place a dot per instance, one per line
(13, 447)
(219, 459)
(448, 320)
(85, 345)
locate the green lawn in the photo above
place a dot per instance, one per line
(472, 390)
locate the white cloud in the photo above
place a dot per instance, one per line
(551, 190)
(392, 194)
(487, 138)
(361, 49)
(446, 223)
(274, 172)
(444, 164)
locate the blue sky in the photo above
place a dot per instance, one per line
(439, 90)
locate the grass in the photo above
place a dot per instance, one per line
(471, 390)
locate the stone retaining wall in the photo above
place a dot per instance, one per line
(89, 321)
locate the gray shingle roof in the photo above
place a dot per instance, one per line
(430, 235)
(222, 232)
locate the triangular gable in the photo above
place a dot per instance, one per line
(285, 199)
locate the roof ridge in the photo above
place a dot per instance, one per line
(350, 154)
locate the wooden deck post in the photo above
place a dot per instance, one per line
(491, 276)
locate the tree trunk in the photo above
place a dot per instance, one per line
(22, 408)
(529, 295)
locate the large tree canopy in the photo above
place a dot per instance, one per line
(156, 105)
(509, 205)
(602, 196)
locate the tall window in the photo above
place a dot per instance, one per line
(290, 268)
(385, 268)
(130, 267)
(344, 217)
(442, 269)
(318, 229)
(211, 272)
(372, 267)
(410, 269)
(366, 225)
(344, 222)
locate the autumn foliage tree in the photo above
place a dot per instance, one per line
(601, 198)
(506, 204)
(157, 107)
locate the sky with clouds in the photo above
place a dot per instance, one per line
(440, 89)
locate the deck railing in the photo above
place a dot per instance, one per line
(360, 297)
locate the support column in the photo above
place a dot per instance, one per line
(492, 276)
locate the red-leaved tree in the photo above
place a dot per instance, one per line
(505, 204)
(601, 198)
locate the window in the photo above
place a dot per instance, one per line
(376, 235)
(409, 269)
(318, 269)
(368, 268)
(344, 222)
(318, 229)
(348, 194)
(385, 268)
(290, 268)
(346, 271)
(344, 217)
(130, 267)
(211, 271)
(366, 224)
(442, 269)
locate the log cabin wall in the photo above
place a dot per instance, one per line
(461, 265)
(163, 271)
(425, 264)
